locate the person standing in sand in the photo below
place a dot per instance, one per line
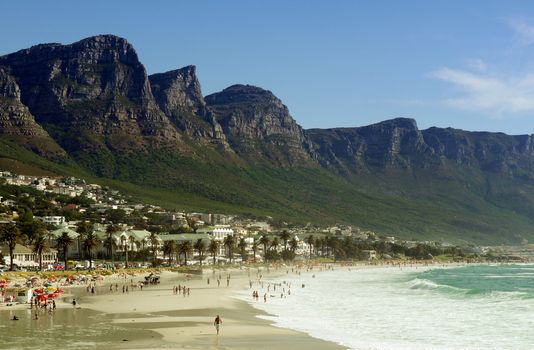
(217, 323)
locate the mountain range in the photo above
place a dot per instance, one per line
(90, 109)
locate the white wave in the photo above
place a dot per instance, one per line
(386, 308)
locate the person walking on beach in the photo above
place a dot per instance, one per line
(217, 323)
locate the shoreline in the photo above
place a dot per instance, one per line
(156, 318)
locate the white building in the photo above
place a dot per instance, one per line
(24, 257)
(53, 220)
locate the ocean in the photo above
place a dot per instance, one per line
(383, 308)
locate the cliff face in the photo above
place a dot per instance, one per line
(179, 96)
(258, 126)
(91, 94)
(18, 125)
(398, 143)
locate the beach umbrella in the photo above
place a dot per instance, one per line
(59, 291)
(47, 284)
(38, 290)
(53, 295)
(42, 296)
(52, 279)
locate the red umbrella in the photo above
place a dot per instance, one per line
(53, 295)
(42, 296)
(38, 290)
(52, 279)
(59, 291)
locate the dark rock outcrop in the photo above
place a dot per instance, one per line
(398, 143)
(258, 126)
(179, 96)
(91, 94)
(18, 125)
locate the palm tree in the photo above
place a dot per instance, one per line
(293, 244)
(213, 248)
(285, 236)
(63, 242)
(11, 235)
(255, 245)
(169, 247)
(89, 243)
(200, 247)
(110, 230)
(264, 239)
(242, 245)
(84, 227)
(153, 238)
(39, 244)
(310, 240)
(333, 244)
(275, 243)
(125, 243)
(229, 243)
(185, 247)
(49, 236)
(132, 242)
(319, 246)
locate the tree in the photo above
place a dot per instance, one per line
(84, 227)
(285, 236)
(255, 246)
(310, 240)
(11, 235)
(110, 230)
(131, 242)
(89, 244)
(153, 238)
(185, 247)
(200, 247)
(242, 245)
(264, 239)
(293, 244)
(40, 245)
(63, 243)
(125, 243)
(213, 248)
(275, 243)
(229, 243)
(169, 248)
(192, 222)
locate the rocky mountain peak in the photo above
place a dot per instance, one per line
(91, 94)
(178, 89)
(244, 94)
(258, 125)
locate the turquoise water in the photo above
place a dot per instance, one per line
(385, 308)
(517, 280)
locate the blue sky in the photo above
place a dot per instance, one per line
(463, 64)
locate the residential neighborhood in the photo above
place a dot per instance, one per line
(66, 221)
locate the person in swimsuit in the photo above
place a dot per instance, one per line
(217, 323)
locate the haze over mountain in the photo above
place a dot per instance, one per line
(89, 108)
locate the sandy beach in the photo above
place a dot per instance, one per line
(186, 322)
(155, 317)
